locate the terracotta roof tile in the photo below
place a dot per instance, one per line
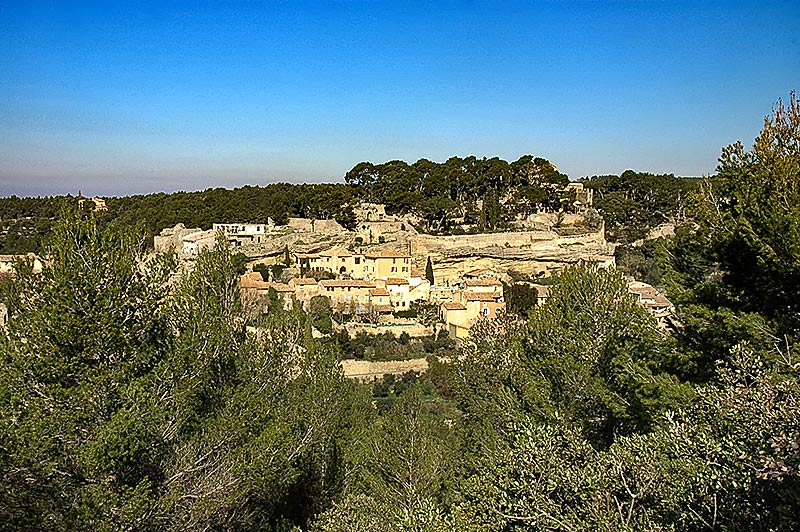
(379, 292)
(303, 281)
(481, 296)
(387, 254)
(343, 283)
(486, 281)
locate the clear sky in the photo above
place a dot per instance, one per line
(144, 96)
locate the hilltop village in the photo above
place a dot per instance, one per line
(385, 272)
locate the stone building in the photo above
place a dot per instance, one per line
(243, 234)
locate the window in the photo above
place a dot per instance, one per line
(347, 298)
(405, 269)
(394, 269)
(358, 260)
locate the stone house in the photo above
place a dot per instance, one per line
(304, 288)
(398, 289)
(483, 305)
(387, 264)
(651, 298)
(255, 291)
(347, 295)
(243, 234)
(542, 293)
(194, 243)
(484, 284)
(369, 266)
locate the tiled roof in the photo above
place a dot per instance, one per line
(335, 252)
(453, 306)
(396, 280)
(386, 254)
(281, 287)
(247, 282)
(379, 292)
(343, 283)
(645, 292)
(382, 308)
(303, 281)
(481, 296)
(486, 281)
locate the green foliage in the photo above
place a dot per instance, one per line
(82, 341)
(736, 273)
(727, 462)
(320, 314)
(520, 298)
(589, 356)
(429, 272)
(643, 263)
(406, 464)
(441, 193)
(387, 346)
(240, 262)
(127, 404)
(635, 202)
(29, 219)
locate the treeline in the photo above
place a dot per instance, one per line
(27, 220)
(485, 192)
(132, 401)
(476, 194)
(635, 202)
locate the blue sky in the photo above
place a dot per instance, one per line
(138, 97)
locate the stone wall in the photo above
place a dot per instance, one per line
(371, 232)
(306, 225)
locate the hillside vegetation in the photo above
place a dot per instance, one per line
(130, 400)
(487, 194)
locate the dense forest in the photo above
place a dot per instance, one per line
(486, 194)
(130, 400)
